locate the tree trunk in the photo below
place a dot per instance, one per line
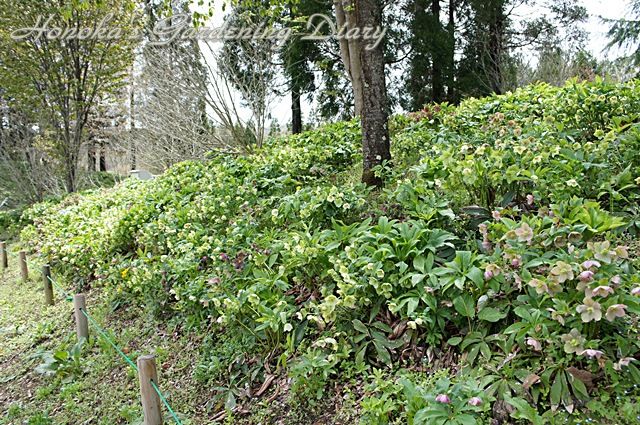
(103, 158)
(296, 111)
(70, 175)
(374, 118)
(134, 153)
(496, 36)
(350, 52)
(437, 84)
(91, 157)
(451, 52)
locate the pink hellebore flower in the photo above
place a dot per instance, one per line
(496, 215)
(635, 291)
(616, 310)
(602, 291)
(443, 398)
(623, 362)
(491, 271)
(616, 280)
(592, 353)
(591, 264)
(475, 401)
(530, 199)
(586, 276)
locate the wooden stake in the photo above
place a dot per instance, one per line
(3, 255)
(24, 268)
(82, 325)
(150, 399)
(48, 288)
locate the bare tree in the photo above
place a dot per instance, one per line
(185, 108)
(28, 171)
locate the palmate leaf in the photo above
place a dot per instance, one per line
(430, 416)
(465, 305)
(524, 410)
(360, 327)
(383, 353)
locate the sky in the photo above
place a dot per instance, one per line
(610, 9)
(596, 43)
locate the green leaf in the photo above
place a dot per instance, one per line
(465, 419)
(230, 402)
(383, 353)
(360, 327)
(476, 276)
(556, 392)
(419, 263)
(579, 389)
(417, 278)
(454, 341)
(465, 305)
(491, 314)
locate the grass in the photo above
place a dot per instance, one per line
(106, 392)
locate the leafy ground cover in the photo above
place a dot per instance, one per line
(493, 280)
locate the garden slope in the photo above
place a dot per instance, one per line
(305, 274)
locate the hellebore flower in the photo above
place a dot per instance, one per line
(539, 285)
(443, 398)
(561, 272)
(586, 276)
(575, 237)
(590, 310)
(556, 316)
(601, 251)
(530, 199)
(602, 291)
(615, 281)
(559, 241)
(591, 353)
(622, 252)
(623, 362)
(524, 233)
(475, 401)
(636, 291)
(573, 342)
(515, 262)
(491, 271)
(616, 310)
(589, 264)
